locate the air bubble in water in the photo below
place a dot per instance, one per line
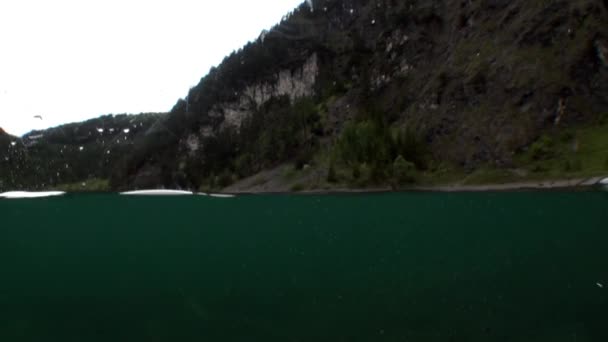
(100, 130)
(13, 143)
(126, 130)
(81, 148)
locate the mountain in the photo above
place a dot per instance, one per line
(476, 81)
(368, 93)
(84, 153)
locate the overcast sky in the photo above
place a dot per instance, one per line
(71, 60)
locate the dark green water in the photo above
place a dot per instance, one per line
(393, 267)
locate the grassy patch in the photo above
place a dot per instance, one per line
(490, 176)
(574, 152)
(297, 187)
(289, 173)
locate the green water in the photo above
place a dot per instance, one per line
(392, 267)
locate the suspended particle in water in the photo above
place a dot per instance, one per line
(81, 148)
(126, 130)
(600, 285)
(100, 130)
(13, 143)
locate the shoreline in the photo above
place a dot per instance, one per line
(575, 183)
(520, 186)
(541, 185)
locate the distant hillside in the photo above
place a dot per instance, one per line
(72, 153)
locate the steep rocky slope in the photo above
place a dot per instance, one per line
(481, 80)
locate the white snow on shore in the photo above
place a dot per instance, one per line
(28, 194)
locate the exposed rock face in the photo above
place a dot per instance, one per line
(193, 144)
(295, 84)
(602, 51)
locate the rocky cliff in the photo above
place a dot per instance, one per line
(481, 80)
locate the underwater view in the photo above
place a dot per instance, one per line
(511, 266)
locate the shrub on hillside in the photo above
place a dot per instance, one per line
(542, 148)
(369, 142)
(403, 171)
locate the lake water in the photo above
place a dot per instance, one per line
(386, 267)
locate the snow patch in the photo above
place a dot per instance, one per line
(27, 194)
(157, 192)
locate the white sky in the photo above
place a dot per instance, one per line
(71, 60)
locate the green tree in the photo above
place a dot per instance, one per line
(403, 171)
(331, 173)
